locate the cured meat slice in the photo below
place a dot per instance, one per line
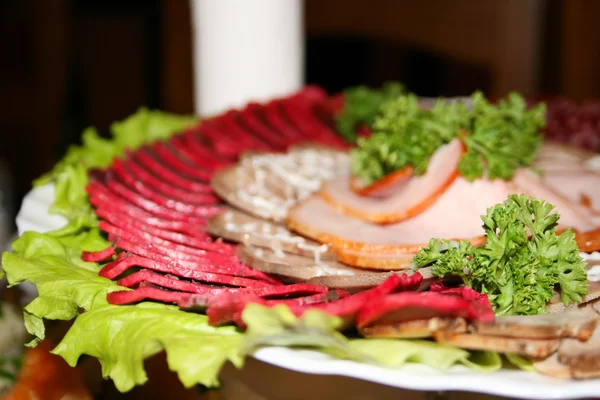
(199, 160)
(301, 116)
(579, 186)
(581, 356)
(384, 262)
(98, 256)
(266, 185)
(178, 162)
(100, 196)
(237, 226)
(172, 282)
(158, 210)
(273, 114)
(149, 186)
(231, 124)
(408, 306)
(408, 200)
(229, 276)
(164, 187)
(534, 348)
(577, 323)
(134, 233)
(455, 215)
(147, 193)
(572, 215)
(220, 139)
(201, 152)
(385, 187)
(252, 118)
(415, 329)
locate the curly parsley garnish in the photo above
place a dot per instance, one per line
(361, 107)
(522, 261)
(499, 138)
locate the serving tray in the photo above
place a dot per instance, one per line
(34, 215)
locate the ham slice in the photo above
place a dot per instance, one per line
(455, 215)
(409, 199)
(384, 187)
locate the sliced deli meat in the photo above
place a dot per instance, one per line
(385, 187)
(415, 329)
(408, 199)
(237, 226)
(455, 215)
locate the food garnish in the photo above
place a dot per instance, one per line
(521, 262)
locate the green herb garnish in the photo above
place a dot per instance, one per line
(499, 138)
(521, 262)
(361, 107)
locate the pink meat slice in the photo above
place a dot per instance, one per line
(455, 215)
(408, 200)
(578, 185)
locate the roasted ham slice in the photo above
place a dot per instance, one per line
(411, 198)
(455, 215)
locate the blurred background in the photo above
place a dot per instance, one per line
(68, 64)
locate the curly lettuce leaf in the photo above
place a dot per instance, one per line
(122, 337)
(70, 174)
(277, 326)
(64, 282)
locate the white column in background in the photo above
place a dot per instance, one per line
(245, 50)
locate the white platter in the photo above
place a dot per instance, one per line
(34, 215)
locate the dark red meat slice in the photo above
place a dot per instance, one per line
(273, 115)
(175, 283)
(231, 124)
(101, 197)
(132, 232)
(98, 256)
(118, 171)
(197, 153)
(300, 115)
(166, 174)
(408, 306)
(129, 166)
(249, 118)
(220, 139)
(227, 307)
(175, 231)
(204, 274)
(464, 291)
(198, 212)
(148, 194)
(177, 161)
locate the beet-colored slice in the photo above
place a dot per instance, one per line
(176, 231)
(175, 283)
(123, 297)
(133, 168)
(158, 199)
(300, 115)
(164, 173)
(249, 118)
(227, 307)
(232, 124)
(211, 262)
(220, 139)
(409, 306)
(179, 163)
(125, 261)
(197, 212)
(273, 115)
(150, 192)
(198, 154)
(98, 256)
(133, 233)
(464, 291)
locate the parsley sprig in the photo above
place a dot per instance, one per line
(522, 261)
(499, 138)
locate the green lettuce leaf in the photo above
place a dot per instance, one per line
(70, 174)
(124, 336)
(277, 326)
(64, 282)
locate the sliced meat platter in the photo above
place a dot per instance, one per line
(260, 205)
